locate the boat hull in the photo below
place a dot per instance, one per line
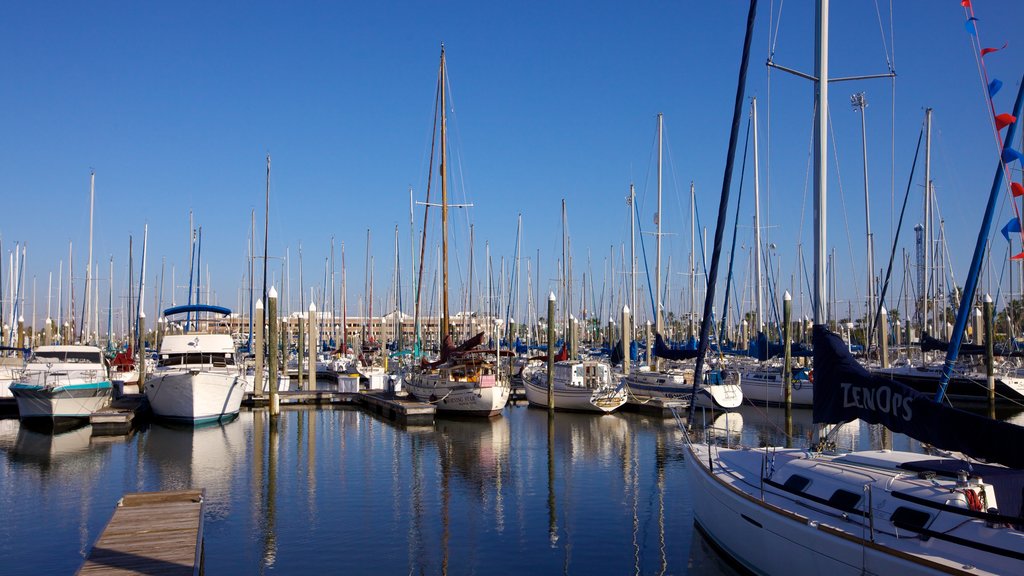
(768, 389)
(197, 397)
(925, 379)
(47, 407)
(459, 398)
(645, 385)
(583, 400)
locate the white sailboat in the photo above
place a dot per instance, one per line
(61, 385)
(578, 385)
(720, 390)
(824, 511)
(197, 379)
(463, 381)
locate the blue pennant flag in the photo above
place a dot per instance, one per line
(1012, 226)
(1009, 155)
(970, 25)
(994, 86)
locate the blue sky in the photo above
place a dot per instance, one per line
(176, 105)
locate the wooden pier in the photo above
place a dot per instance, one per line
(158, 533)
(655, 406)
(404, 410)
(313, 397)
(123, 415)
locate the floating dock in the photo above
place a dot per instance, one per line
(151, 533)
(123, 416)
(660, 407)
(314, 397)
(402, 410)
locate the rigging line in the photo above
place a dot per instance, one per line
(842, 197)
(983, 72)
(892, 254)
(735, 223)
(643, 249)
(807, 176)
(881, 31)
(775, 39)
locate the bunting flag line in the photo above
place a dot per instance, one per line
(1018, 256)
(1017, 188)
(994, 87)
(1012, 226)
(965, 3)
(1009, 155)
(969, 25)
(1004, 120)
(985, 51)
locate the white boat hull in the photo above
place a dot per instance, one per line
(61, 402)
(582, 400)
(465, 398)
(768, 388)
(644, 385)
(195, 396)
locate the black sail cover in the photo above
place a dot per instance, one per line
(661, 350)
(845, 391)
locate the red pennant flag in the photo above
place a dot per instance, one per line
(1004, 120)
(1017, 188)
(1018, 256)
(965, 3)
(985, 51)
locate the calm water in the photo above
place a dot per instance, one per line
(340, 491)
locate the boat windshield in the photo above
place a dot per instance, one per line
(67, 356)
(216, 360)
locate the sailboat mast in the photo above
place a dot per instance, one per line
(693, 260)
(632, 252)
(820, 156)
(927, 217)
(657, 257)
(88, 265)
(444, 201)
(759, 317)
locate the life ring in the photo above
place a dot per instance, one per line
(798, 384)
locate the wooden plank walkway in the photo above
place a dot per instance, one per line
(154, 533)
(121, 417)
(404, 410)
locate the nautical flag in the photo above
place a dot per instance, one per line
(1004, 120)
(1009, 155)
(985, 51)
(1017, 188)
(995, 84)
(1012, 226)
(1018, 256)
(969, 25)
(965, 3)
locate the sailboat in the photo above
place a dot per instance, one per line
(825, 511)
(464, 380)
(720, 390)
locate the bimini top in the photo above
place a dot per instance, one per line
(185, 309)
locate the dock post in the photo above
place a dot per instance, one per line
(551, 352)
(649, 344)
(979, 326)
(259, 326)
(989, 354)
(883, 337)
(787, 364)
(625, 336)
(48, 332)
(21, 331)
(275, 406)
(142, 350)
(312, 340)
(301, 355)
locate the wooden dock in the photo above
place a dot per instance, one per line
(123, 415)
(313, 397)
(404, 410)
(157, 533)
(654, 406)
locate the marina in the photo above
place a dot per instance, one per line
(264, 332)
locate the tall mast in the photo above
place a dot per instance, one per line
(820, 156)
(693, 260)
(86, 312)
(444, 201)
(759, 317)
(927, 216)
(860, 103)
(632, 252)
(657, 257)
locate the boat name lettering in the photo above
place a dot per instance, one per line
(880, 399)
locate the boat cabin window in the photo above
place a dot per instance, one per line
(844, 500)
(215, 360)
(796, 483)
(67, 356)
(910, 518)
